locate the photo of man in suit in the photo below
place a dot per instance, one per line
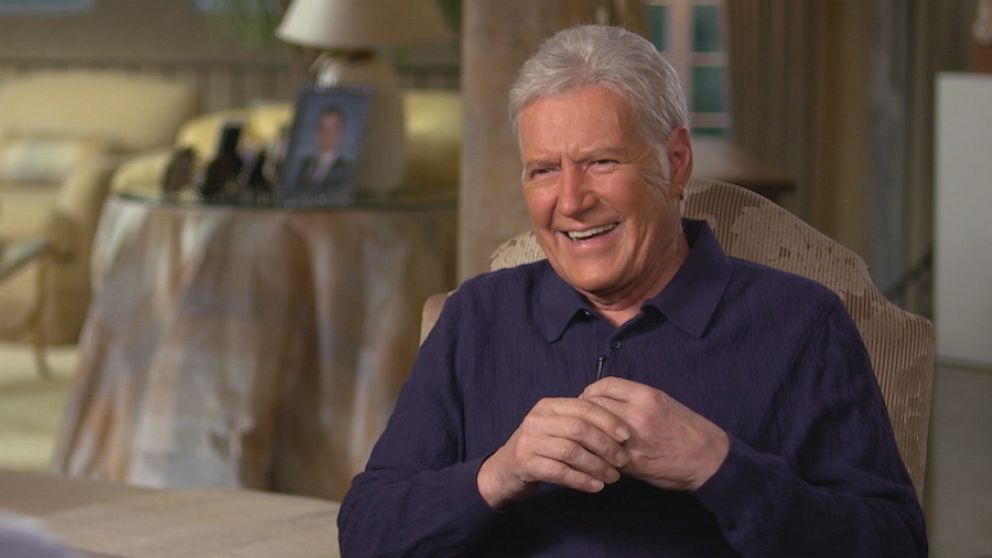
(327, 168)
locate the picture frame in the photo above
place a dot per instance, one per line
(325, 146)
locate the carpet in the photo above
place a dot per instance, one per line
(31, 406)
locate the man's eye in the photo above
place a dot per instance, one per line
(604, 164)
(536, 173)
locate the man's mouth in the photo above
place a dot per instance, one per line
(590, 233)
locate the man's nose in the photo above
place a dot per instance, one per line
(575, 195)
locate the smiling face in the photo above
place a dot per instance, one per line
(598, 205)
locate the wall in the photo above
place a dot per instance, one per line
(167, 38)
(173, 39)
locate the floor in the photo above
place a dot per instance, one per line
(31, 407)
(958, 498)
(959, 475)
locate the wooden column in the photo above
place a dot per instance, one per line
(497, 38)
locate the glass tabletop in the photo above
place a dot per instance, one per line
(400, 200)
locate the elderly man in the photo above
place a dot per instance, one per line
(639, 393)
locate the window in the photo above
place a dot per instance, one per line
(44, 6)
(250, 6)
(690, 35)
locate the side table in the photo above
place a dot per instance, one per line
(14, 255)
(249, 347)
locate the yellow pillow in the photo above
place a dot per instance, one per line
(266, 120)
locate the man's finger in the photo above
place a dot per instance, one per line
(584, 411)
(556, 472)
(615, 406)
(579, 458)
(612, 387)
(585, 435)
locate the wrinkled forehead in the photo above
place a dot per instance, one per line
(598, 100)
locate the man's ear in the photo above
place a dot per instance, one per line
(679, 151)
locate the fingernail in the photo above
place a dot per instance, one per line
(597, 485)
(623, 433)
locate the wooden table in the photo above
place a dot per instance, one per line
(14, 255)
(105, 520)
(249, 347)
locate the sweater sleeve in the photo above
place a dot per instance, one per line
(828, 480)
(418, 494)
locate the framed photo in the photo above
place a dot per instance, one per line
(325, 146)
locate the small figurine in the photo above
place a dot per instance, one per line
(179, 172)
(225, 166)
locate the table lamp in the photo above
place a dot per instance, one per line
(349, 32)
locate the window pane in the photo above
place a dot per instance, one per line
(658, 24)
(44, 6)
(253, 6)
(707, 94)
(706, 29)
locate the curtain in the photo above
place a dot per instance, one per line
(775, 50)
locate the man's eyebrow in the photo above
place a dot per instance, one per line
(540, 162)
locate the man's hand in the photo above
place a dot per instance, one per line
(671, 446)
(564, 441)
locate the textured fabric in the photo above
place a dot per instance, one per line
(248, 347)
(132, 113)
(901, 344)
(813, 468)
(776, 51)
(43, 160)
(22, 537)
(142, 176)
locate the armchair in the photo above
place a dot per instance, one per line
(60, 136)
(901, 345)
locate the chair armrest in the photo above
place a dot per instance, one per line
(431, 312)
(78, 205)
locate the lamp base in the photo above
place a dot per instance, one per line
(383, 157)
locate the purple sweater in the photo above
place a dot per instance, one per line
(772, 358)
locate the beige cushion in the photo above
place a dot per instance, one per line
(142, 175)
(115, 106)
(26, 210)
(203, 132)
(266, 121)
(901, 344)
(44, 160)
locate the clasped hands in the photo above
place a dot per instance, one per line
(615, 426)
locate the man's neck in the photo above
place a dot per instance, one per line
(620, 307)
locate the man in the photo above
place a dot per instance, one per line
(639, 393)
(326, 169)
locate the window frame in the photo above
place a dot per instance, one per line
(680, 52)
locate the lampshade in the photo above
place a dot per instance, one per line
(362, 24)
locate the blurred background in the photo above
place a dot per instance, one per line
(868, 119)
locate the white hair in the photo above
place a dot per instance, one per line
(617, 59)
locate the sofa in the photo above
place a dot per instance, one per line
(433, 143)
(62, 134)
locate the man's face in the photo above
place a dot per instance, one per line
(597, 203)
(329, 132)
